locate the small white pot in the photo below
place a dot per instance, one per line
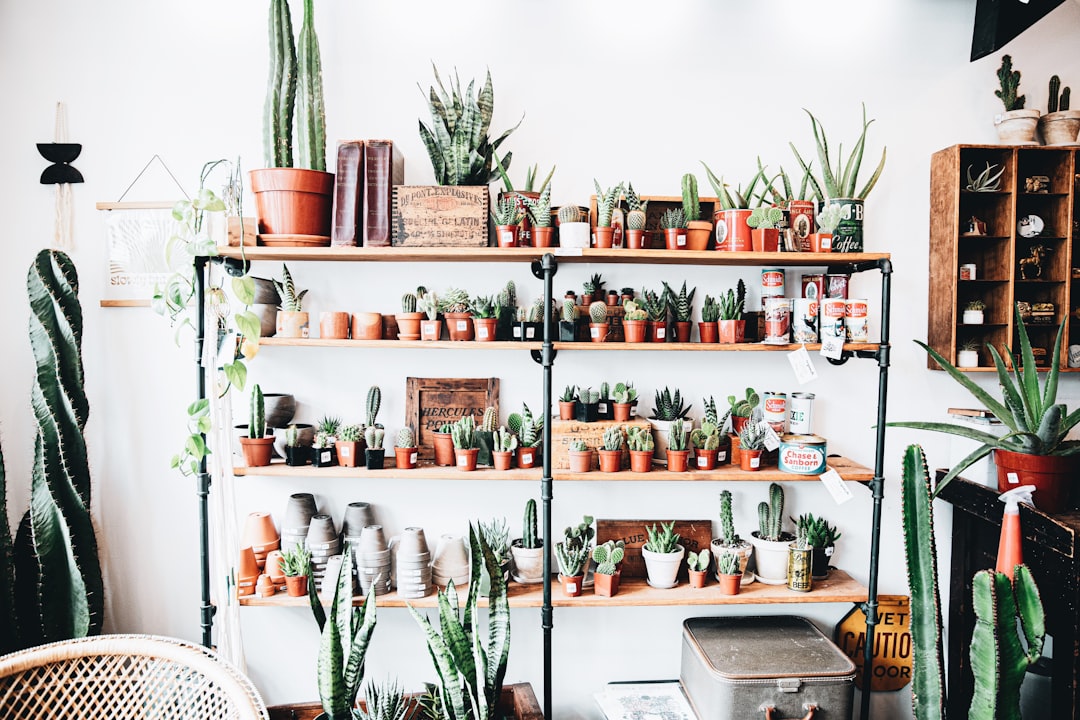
(967, 358)
(1017, 127)
(574, 234)
(973, 317)
(663, 568)
(771, 558)
(528, 563)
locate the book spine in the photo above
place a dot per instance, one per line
(383, 168)
(348, 198)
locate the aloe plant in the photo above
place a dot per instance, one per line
(839, 180)
(633, 202)
(540, 209)
(663, 540)
(291, 300)
(673, 219)
(606, 202)
(710, 310)
(384, 701)
(733, 302)
(669, 406)
(737, 199)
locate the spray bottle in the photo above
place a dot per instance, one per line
(1009, 553)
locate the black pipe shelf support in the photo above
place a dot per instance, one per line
(545, 269)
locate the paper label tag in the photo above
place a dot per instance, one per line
(568, 251)
(463, 325)
(661, 333)
(530, 333)
(1014, 479)
(721, 457)
(755, 462)
(527, 457)
(680, 240)
(507, 237)
(772, 440)
(345, 451)
(324, 456)
(462, 461)
(594, 332)
(836, 486)
(602, 408)
(482, 331)
(517, 331)
(832, 347)
(702, 461)
(413, 458)
(803, 365)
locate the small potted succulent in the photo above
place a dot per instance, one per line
(528, 550)
(623, 397)
(568, 403)
(539, 211)
(292, 320)
(349, 445)
(1015, 126)
(598, 326)
(711, 420)
(296, 564)
(322, 450)
(698, 231)
(820, 535)
(764, 223)
(635, 322)
(682, 305)
(430, 325)
(667, 408)
(580, 455)
(572, 560)
(568, 321)
(504, 447)
(751, 446)
(605, 411)
(605, 209)
(709, 327)
(374, 453)
(465, 449)
(588, 405)
(573, 231)
(678, 453)
(408, 320)
(730, 542)
(828, 218)
(455, 308)
(967, 355)
(530, 433)
(728, 573)
(706, 443)
(656, 305)
(296, 455)
(592, 290)
(485, 435)
(663, 555)
(485, 312)
(698, 564)
(611, 451)
(770, 540)
(257, 446)
(442, 441)
(673, 223)
(635, 220)
(405, 450)
(640, 442)
(973, 312)
(505, 216)
(731, 327)
(608, 557)
(743, 409)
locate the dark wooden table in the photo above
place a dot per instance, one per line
(1052, 551)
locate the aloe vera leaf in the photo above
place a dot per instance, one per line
(1016, 417)
(1049, 396)
(823, 155)
(988, 401)
(873, 178)
(809, 176)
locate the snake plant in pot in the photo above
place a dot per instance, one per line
(294, 200)
(1035, 447)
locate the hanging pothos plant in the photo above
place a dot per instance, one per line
(174, 299)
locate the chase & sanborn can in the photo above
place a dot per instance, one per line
(802, 454)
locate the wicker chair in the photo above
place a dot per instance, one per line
(124, 677)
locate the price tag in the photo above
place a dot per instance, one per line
(530, 332)
(721, 457)
(413, 458)
(661, 333)
(483, 331)
(702, 461)
(803, 365)
(680, 240)
(517, 331)
(602, 408)
(462, 461)
(594, 332)
(507, 237)
(463, 325)
(836, 486)
(772, 440)
(1014, 479)
(567, 252)
(832, 347)
(526, 457)
(344, 451)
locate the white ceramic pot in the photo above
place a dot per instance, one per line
(291, 324)
(574, 235)
(1017, 127)
(663, 568)
(1060, 128)
(973, 317)
(528, 563)
(771, 558)
(744, 550)
(967, 358)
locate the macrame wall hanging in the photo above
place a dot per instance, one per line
(61, 154)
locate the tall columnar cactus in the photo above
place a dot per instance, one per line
(1010, 81)
(374, 400)
(691, 203)
(311, 110)
(727, 521)
(569, 311)
(408, 303)
(490, 420)
(281, 88)
(1063, 103)
(1055, 89)
(50, 580)
(928, 669)
(508, 296)
(257, 420)
(605, 391)
(771, 514)
(528, 526)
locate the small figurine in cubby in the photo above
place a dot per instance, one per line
(1031, 266)
(974, 227)
(1037, 184)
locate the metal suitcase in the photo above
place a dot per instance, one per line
(772, 668)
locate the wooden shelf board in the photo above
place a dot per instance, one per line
(400, 344)
(848, 469)
(635, 592)
(536, 345)
(1039, 282)
(278, 468)
(988, 193)
(966, 236)
(982, 281)
(587, 255)
(704, 347)
(967, 326)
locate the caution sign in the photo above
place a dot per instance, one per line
(892, 642)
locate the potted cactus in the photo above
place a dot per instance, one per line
(528, 550)
(295, 563)
(323, 453)
(408, 320)
(506, 217)
(698, 565)
(606, 201)
(568, 321)
(608, 557)
(1060, 125)
(257, 446)
(485, 435)
(623, 397)
(673, 223)
(588, 405)
(698, 231)
(636, 235)
(572, 560)
(751, 446)
(743, 409)
(349, 445)
(504, 447)
(730, 542)
(727, 572)
(405, 450)
(678, 454)
(656, 306)
(1015, 126)
(598, 326)
(296, 455)
(539, 212)
(667, 408)
(485, 313)
(430, 326)
(568, 403)
(682, 305)
(662, 554)
(641, 445)
(973, 312)
(592, 290)
(709, 328)
(731, 327)
(455, 308)
(706, 443)
(635, 322)
(573, 231)
(764, 223)
(828, 218)
(530, 432)
(605, 411)
(611, 451)
(770, 540)
(292, 321)
(442, 441)
(580, 455)
(463, 434)
(374, 453)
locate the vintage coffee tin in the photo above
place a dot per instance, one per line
(772, 282)
(800, 413)
(813, 286)
(799, 576)
(777, 321)
(855, 321)
(801, 221)
(832, 318)
(802, 454)
(836, 286)
(775, 410)
(804, 321)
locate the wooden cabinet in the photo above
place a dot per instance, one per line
(988, 231)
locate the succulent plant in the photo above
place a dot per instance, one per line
(295, 560)
(350, 433)
(691, 203)
(975, 305)
(322, 440)
(765, 217)
(699, 561)
(483, 306)
(383, 701)
(771, 513)
(536, 310)
(292, 436)
(257, 421)
(841, 184)
(673, 219)
(752, 436)
(706, 437)
(639, 439)
(598, 312)
(504, 440)
(818, 532)
(970, 345)
(593, 286)
(727, 563)
(605, 390)
(710, 310)
(464, 433)
(406, 438)
(507, 297)
(632, 310)
(663, 540)
(738, 198)
(744, 407)
(374, 400)
(529, 537)
(727, 523)
(579, 445)
(529, 429)
(506, 211)
(986, 181)
(1010, 83)
(454, 300)
(571, 559)
(569, 394)
(624, 393)
(635, 220)
(605, 203)
(373, 436)
(633, 201)
(408, 303)
(829, 217)
(608, 556)
(569, 311)
(539, 209)
(682, 304)
(569, 213)
(613, 438)
(669, 406)
(291, 300)
(497, 535)
(677, 436)
(588, 396)
(733, 302)
(428, 303)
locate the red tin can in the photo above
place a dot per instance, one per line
(813, 286)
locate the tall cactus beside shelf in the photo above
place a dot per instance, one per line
(311, 110)
(257, 421)
(528, 526)
(290, 69)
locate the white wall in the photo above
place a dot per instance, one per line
(613, 90)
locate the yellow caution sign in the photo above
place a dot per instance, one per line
(892, 642)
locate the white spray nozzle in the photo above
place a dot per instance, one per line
(1016, 495)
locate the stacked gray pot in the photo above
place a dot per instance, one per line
(373, 561)
(298, 513)
(324, 542)
(412, 564)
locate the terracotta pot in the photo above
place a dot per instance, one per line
(606, 585)
(598, 332)
(465, 458)
(750, 460)
(257, 451)
(677, 460)
(292, 324)
(293, 201)
(367, 326)
(264, 587)
(409, 325)
(430, 329)
(729, 584)
(406, 458)
(708, 332)
(657, 331)
(580, 460)
(566, 409)
(675, 238)
(641, 461)
(350, 454)
(765, 239)
(1053, 477)
(485, 328)
(443, 444)
(296, 585)
(682, 330)
(732, 232)
(604, 236)
(528, 457)
(731, 331)
(704, 459)
(273, 568)
(610, 460)
(621, 411)
(1017, 127)
(1060, 128)
(698, 234)
(736, 456)
(697, 578)
(507, 235)
(247, 572)
(820, 242)
(542, 236)
(502, 459)
(389, 327)
(334, 325)
(460, 326)
(572, 586)
(635, 330)
(635, 240)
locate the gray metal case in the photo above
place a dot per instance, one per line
(736, 668)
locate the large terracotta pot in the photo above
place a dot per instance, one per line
(698, 234)
(460, 326)
(1053, 477)
(257, 451)
(636, 330)
(293, 201)
(443, 444)
(732, 232)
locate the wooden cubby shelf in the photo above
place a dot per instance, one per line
(839, 588)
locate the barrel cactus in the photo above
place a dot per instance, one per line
(598, 312)
(569, 311)
(569, 213)
(408, 303)
(406, 438)
(490, 419)
(635, 220)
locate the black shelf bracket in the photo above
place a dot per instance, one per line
(235, 267)
(541, 267)
(538, 356)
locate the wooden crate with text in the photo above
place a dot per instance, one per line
(564, 432)
(693, 535)
(440, 216)
(431, 402)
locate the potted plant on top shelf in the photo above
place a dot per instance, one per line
(1015, 126)
(485, 314)
(408, 320)
(573, 231)
(294, 201)
(292, 321)
(636, 220)
(605, 211)
(1060, 125)
(506, 215)
(765, 233)
(663, 555)
(455, 307)
(1035, 447)
(673, 223)
(405, 450)
(698, 231)
(732, 232)
(539, 214)
(349, 445)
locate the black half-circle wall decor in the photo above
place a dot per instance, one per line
(60, 155)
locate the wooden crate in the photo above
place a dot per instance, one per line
(564, 432)
(430, 402)
(440, 216)
(694, 535)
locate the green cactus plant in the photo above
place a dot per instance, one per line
(406, 438)
(634, 202)
(529, 535)
(605, 391)
(746, 406)
(673, 219)
(635, 220)
(540, 209)
(771, 513)
(292, 436)
(733, 302)
(571, 559)
(829, 217)
(593, 286)
(818, 531)
(429, 304)
(706, 437)
(569, 213)
(569, 311)
(374, 400)
(752, 436)
(691, 203)
(528, 429)
(454, 300)
(655, 304)
(677, 436)
(464, 433)
(288, 69)
(598, 312)
(507, 297)
(504, 441)
(408, 303)
(682, 304)
(291, 300)
(663, 540)
(613, 438)
(624, 393)
(669, 406)
(728, 537)
(257, 415)
(569, 394)
(710, 415)
(1009, 80)
(765, 217)
(632, 310)
(483, 306)
(727, 563)
(710, 310)
(588, 396)
(605, 203)
(639, 439)
(579, 445)
(608, 556)
(350, 433)
(489, 421)
(373, 436)
(496, 534)
(536, 310)
(699, 561)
